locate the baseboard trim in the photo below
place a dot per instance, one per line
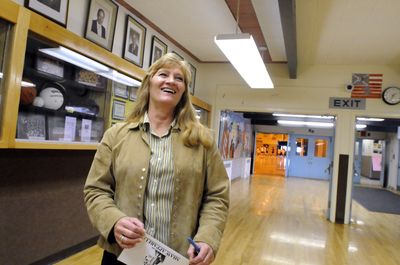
(63, 254)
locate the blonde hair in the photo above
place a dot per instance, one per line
(194, 133)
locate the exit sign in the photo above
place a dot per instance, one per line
(347, 103)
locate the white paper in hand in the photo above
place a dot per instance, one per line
(152, 252)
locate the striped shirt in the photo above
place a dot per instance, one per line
(160, 185)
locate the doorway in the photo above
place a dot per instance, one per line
(310, 156)
(369, 161)
(270, 155)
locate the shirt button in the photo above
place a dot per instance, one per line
(143, 169)
(140, 187)
(140, 196)
(142, 177)
(152, 205)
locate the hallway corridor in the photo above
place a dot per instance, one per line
(275, 220)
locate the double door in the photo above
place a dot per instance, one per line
(310, 156)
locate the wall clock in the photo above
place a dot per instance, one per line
(391, 95)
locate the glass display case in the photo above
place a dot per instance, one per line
(203, 110)
(4, 36)
(65, 96)
(202, 115)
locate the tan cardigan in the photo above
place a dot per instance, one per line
(116, 184)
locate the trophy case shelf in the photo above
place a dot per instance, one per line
(50, 102)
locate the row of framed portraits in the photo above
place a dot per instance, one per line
(100, 29)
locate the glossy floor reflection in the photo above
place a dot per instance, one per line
(275, 220)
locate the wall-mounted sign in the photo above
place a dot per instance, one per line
(346, 103)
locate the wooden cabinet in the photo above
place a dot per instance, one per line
(86, 102)
(48, 102)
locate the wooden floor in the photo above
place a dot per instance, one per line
(275, 220)
(270, 165)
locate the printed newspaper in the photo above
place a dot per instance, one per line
(152, 252)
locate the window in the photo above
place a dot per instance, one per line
(301, 146)
(321, 148)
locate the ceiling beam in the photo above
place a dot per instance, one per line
(287, 10)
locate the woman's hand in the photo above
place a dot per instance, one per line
(129, 231)
(204, 257)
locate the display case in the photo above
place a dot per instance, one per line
(60, 100)
(55, 101)
(5, 28)
(49, 102)
(203, 110)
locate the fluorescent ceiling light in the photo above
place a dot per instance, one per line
(75, 59)
(120, 78)
(242, 52)
(86, 63)
(369, 119)
(307, 123)
(1, 75)
(361, 126)
(303, 116)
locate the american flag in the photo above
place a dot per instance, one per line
(367, 85)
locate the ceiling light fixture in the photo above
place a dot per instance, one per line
(327, 117)
(369, 119)
(242, 52)
(86, 63)
(361, 126)
(306, 123)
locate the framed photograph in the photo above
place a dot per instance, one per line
(193, 79)
(118, 110)
(133, 93)
(31, 126)
(158, 49)
(56, 10)
(135, 36)
(50, 66)
(89, 78)
(120, 90)
(100, 23)
(180, 56)
(89, 130)
(55, 128)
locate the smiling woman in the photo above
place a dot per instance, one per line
(148, 155)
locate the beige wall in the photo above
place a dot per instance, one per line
(309, 93)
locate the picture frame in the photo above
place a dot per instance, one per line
(100, 22)
(118, 110)
(133, 93)
(193, 79)
(180, 56)
(31, 126)
(134, 41)
(120, 90)
(56, 10)
(55, 128)
(89, 78)
(49, 66)
(158, 49)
